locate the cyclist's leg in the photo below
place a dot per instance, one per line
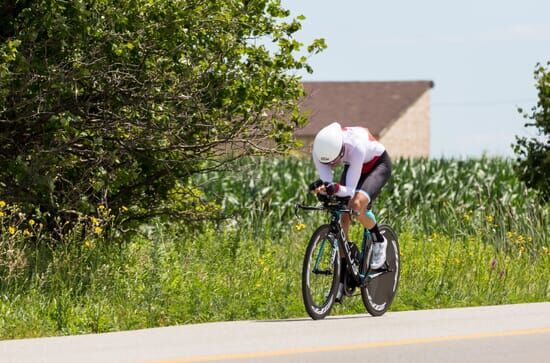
(371, 186)
(359, 203)
(368, 188)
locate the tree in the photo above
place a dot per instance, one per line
(533, 161)
(121, 102)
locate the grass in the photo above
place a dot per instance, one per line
(466, 248)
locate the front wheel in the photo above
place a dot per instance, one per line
(381, 286)
(320, 273)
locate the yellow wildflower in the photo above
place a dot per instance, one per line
(2, 214)
(300, 226)
(95, 221)
(2, 204)
(101, 207)
(27, 233)
(88, 243)
(490, 219)
(31, 222)
(11, 230)
(98, 230)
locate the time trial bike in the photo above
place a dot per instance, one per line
(330, 260)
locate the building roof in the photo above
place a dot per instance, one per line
(376, 105)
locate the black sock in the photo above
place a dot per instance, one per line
(376, 236)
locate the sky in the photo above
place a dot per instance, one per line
(480, 54)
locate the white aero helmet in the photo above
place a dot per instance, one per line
(328, 143)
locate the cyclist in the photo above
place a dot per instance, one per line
(367, 167)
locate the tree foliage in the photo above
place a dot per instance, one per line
(533, 162)
(120, 102)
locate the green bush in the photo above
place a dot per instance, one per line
(120, 102)
(533, 154)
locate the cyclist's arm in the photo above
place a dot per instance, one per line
(325, 171)
(353, 174)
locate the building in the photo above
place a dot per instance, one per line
(396, 113)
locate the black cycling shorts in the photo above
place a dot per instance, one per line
(373, 181)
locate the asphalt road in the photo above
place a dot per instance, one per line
(507, 333)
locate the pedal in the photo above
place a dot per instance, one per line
(373, 274)
(378, 272)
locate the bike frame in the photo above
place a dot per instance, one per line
(336, 228)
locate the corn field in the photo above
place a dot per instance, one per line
(456, 198)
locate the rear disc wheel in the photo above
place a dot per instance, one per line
(381, 286)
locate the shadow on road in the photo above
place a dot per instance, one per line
(345, 317)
